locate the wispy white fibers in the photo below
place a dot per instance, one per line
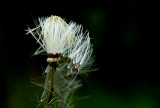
(69, 54)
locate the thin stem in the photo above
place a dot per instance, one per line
(51, 86)
(49, 93)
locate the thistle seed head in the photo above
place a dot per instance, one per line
(69, 54)
(59, 39)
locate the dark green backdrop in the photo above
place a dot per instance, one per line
(125, 48)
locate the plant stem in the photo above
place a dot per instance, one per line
(51, 85)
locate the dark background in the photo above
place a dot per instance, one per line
(125, 48)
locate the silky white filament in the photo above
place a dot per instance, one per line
(69, 54)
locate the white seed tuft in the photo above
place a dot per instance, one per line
(70, 49)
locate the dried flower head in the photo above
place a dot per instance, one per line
(69, 54)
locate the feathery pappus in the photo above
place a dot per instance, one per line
(69, 54)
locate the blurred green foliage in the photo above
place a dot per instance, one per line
(24, 95)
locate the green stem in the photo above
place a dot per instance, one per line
(50, 89)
